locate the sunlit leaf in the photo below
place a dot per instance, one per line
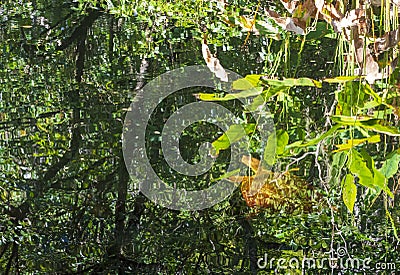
(340, 79)
(352, 120)
(387, 130)
(244, 94)
(274, 90)
(254, 79)
(242, 84)
(349, 192)
(256, 103)
(354, 142)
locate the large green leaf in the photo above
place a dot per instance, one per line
(380, 181)
(379, 128)
(321, 30)
(256, 103)
(274, 90)
(338, 162)
(352, 120)
(215, 97)
(349, 192)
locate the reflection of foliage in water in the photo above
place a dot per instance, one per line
(63, 186)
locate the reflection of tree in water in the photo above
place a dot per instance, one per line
(68, 74)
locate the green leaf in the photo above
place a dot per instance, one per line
(393, 225)
(391, 164)
(349, 192)
(227, 175)
(254, 79)
(233, 134)
(387, 130)
(351, 120)
(242, 84)
(215, 97)
(368, 90)
(290, 82)
(282, 139)
(340, 79)
(276, 144)
(339, 159)
(274, 90)
(338, 162)
(368, 123)
(250, 81)
(314, 141)
(381, 182)
(270, 150)
(358, 166)
(354, 142)
(363, 166)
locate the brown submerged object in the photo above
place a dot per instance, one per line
(273, 190)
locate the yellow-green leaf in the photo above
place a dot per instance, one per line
(340, 79)
(354, 142)
(349, 192)
(215, 97)
(242, 84)
(358, 166)
(254, 79)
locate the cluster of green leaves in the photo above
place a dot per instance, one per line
(353, 97)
